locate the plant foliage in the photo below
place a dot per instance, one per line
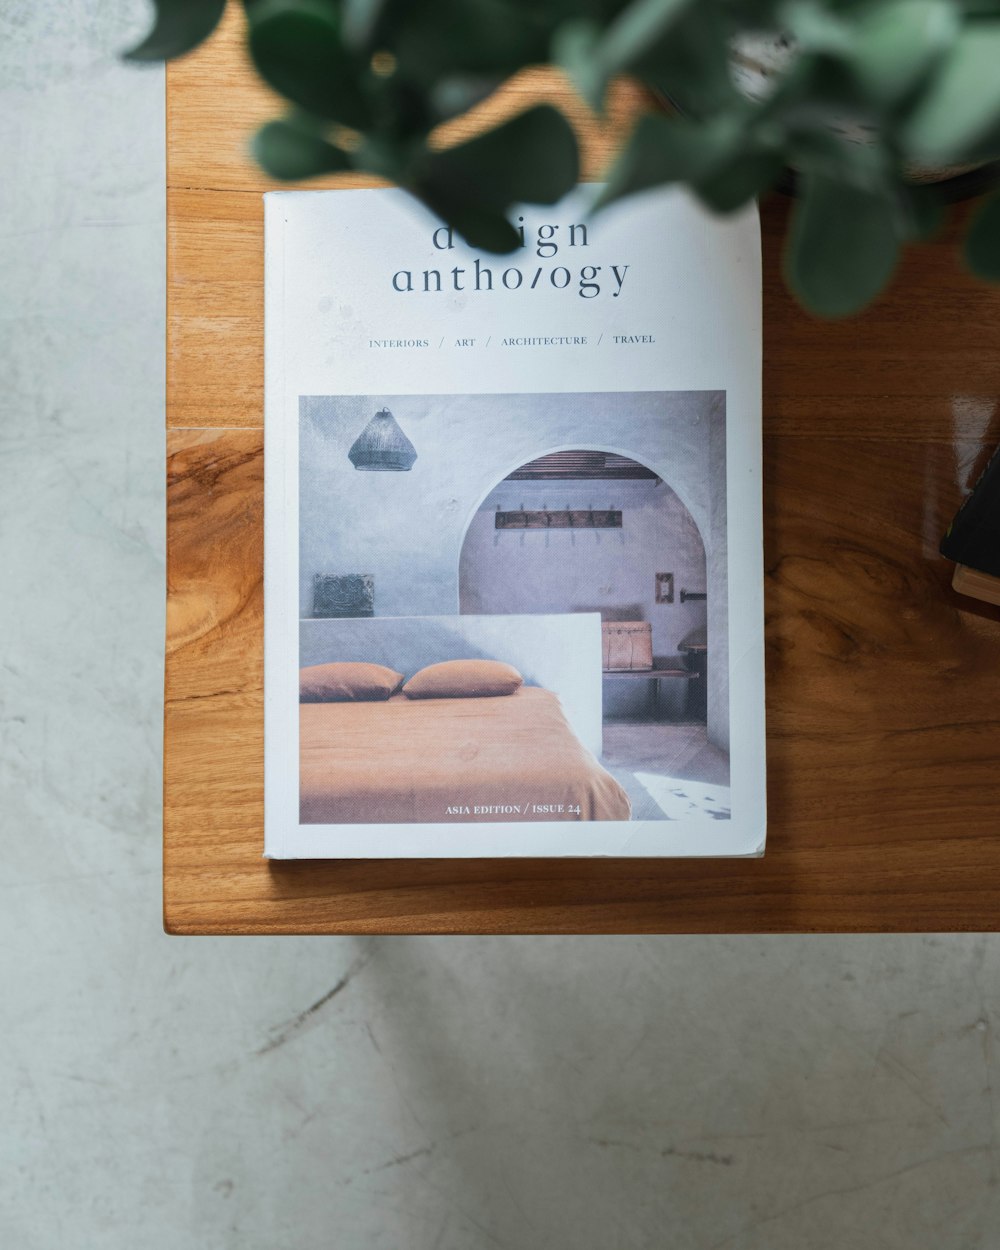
(868, 91)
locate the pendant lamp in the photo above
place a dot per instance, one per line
(382, 446)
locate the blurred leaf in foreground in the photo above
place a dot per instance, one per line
(842, 246)
(531, 158)
(180, 25)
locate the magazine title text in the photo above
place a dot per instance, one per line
(493, 274)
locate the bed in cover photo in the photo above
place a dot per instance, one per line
(440, 760)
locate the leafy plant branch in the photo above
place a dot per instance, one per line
(864, 96)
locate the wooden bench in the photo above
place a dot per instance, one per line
(653, 676)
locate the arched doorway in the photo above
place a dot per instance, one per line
(645, 563)
(619, 541)
(597, 530)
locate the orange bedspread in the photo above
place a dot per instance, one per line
(511, 758)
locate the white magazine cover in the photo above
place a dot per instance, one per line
(513, 565)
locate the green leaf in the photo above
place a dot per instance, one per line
(638, 28)
(479, 227)
(667, 149)
(593, 57)
(436, 38)
(291, 151)
(724, 164)
(297, 47)
(814, 27)
(361, 20)
(813, 92)
(922, 210)
(748, 175)
(962, 101)
(461, 92)
(575, 47)
(384, 156)
(180, 25)
(842, 246)
(896, 42)
(690, 64)
(533, 158)
(982, 243)
(822, 151)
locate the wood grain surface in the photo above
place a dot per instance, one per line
(882, 681)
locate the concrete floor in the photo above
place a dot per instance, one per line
(670, 772)
(336, 1094)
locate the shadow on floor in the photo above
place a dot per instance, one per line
(670, 772)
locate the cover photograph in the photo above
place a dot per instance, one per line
(513, 583)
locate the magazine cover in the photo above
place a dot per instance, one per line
(513, 584)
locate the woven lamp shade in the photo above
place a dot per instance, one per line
(382, 446)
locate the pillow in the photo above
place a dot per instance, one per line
(463, 679)
(346, 682)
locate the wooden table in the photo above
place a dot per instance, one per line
(883, 707)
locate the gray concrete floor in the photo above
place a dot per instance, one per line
(682, 749)
(428, 1094)
(670, 772)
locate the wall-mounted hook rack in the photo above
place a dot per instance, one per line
(569, 518)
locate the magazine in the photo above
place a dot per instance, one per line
(513, 581)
